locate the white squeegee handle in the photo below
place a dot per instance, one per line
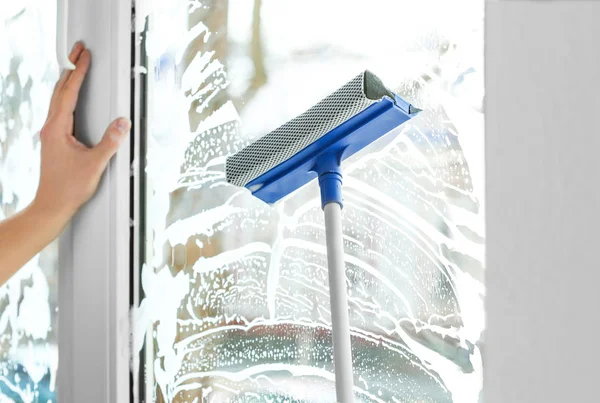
(342, 349)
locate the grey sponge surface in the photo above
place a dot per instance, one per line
(374, 87)
(295, 135)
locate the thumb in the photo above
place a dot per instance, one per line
(112, 139)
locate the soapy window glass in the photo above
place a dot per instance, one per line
(235, 301)
(28, 302)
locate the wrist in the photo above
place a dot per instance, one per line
(55, 217)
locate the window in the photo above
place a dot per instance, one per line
(235, 294)
(28, 302)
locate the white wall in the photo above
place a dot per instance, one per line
(543, 202)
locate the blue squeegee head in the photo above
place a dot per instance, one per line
(338, 126)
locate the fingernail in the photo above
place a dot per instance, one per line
(77, 45)
(123, 125)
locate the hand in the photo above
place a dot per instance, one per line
(70, 171)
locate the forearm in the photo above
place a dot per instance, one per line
(24, 235)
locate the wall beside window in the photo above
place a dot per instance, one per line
(542, 146)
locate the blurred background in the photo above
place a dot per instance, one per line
(28, 302)
(235, 299)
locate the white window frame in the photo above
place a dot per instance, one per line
(94, 274)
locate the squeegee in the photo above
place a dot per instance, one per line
(313, 145)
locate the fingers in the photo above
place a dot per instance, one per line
(76, 52)
(71, 89)
(112, 139)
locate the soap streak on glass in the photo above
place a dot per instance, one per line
(236, 300)
(28, 302)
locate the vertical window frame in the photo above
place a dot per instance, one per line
(94, 275)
